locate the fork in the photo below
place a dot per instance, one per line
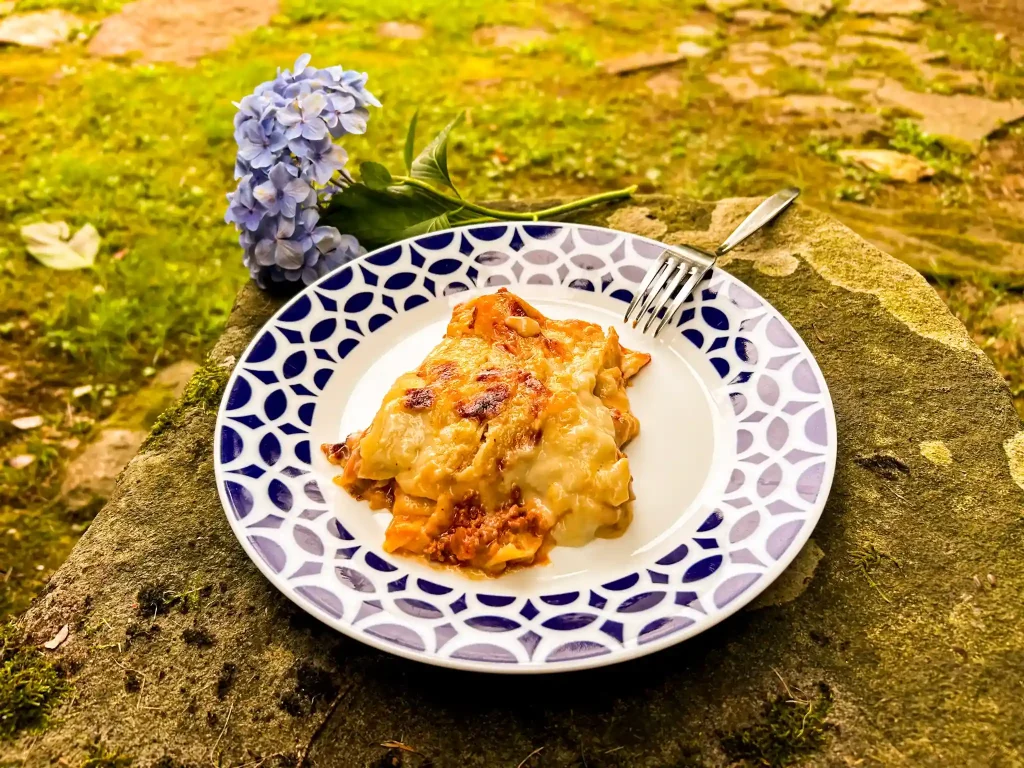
(664, 281)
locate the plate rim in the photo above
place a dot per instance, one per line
(768, 577)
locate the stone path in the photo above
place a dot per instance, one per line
(40, 29)
(181, 31)
(839, 86)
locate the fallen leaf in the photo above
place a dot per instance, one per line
(21, 461)
(120, 254)
(81, 391)
(42, 29)
(28, 422)
(889, 163)
(48, 243)
(71, 444)
(398, 745)
(57, 640)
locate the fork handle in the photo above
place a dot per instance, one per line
(760, 216)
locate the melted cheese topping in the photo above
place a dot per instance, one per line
(507, 438)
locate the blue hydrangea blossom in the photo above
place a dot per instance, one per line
(286, 167)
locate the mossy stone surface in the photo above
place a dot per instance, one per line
(900, 642)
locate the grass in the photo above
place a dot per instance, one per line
(986, 310)
(907, 137)
(75, 6)
(144, 153)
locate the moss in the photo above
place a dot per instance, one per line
(226, 679)
(204, 391)
(100, 757)
(132, 681)
(154, 599)
(171, 762)
(314, 683)
(313, 686)
(869, 558)
(138, 631)
(198, 637)
(30, 685)
(790, 728)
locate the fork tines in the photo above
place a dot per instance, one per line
(667, 284)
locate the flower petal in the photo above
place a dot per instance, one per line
(285, 228)
(312, 104)
(280, 176)
(264, 252)
(314, 129)
(288, 254)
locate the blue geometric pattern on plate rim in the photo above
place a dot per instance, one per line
(785, 460)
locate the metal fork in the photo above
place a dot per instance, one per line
(678, 271)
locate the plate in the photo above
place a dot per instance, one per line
(731, 469)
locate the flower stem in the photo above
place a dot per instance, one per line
(495, 214)
(559, 210)
(492, 214)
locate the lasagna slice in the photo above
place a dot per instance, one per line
(506, 440)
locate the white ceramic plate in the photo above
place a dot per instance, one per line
(731, 469)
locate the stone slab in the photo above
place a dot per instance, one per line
(896, 639)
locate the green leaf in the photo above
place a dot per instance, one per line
(410, 141)
(375, 175)
(49, 244)
(379, 217)
(431, 165)
(437, 223)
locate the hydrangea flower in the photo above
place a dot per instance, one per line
(288, 164)
(282, 193)
(243, 210)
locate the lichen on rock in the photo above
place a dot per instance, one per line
(936, 452)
